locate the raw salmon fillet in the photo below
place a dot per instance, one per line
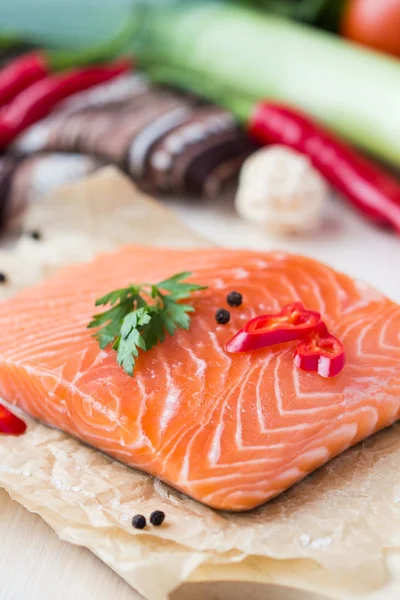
(233, 430)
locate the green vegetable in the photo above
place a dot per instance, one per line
(237, 56)
(9, 41)
(141, 315)
(109, 48)
(322, 13)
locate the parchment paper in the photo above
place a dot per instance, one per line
(330, 534)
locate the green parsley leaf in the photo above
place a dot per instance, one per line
(130, 340)
(141, 315)
(178, 290)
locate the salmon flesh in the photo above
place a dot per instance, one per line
(230, 430)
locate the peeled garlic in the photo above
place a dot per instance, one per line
(280, 188)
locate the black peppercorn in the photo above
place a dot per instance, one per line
(234, 299)
(139, 522)
(3, 278)
(36, 235)
(157, 518)
(222, 316)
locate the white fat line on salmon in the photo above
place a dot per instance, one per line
(75, 332)
(319, 454)
(171, 405)
(335, 288)
(49, 331)
(239, 408)
(216, 439)
(297, 374)
(345, 433)
(218, 284)
(368, 292)
(270, 304)
(183, 476)
(144, 439)
(292, 291)
(176, 438)
(19, 360)
(173, 396)
(23, 390)
(94, 407)
(244, 507)
(261, 264)
(352, 325)
(214, 452)
(201, 364)
(263, 479)
(387, 325)
(175, 441)
(268, 432)
(260, 381)
(241, 273)
(57, 306)
(279, 399)
(97, 360)
(355, 306)
(303, 275)
(113, 416)
(293, 446)
(150, 134)
(239, 442)
(360, 341)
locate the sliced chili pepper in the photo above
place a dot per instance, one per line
(20, 74)
(320, 352)
(10, 424)
(292, 323)
(369, 188)
(39, 99)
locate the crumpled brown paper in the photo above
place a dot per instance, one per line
(329, 534)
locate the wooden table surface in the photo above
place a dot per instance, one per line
(34, 563)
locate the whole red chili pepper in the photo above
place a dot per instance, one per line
(320, 352)
(292, 323)
(40, 98)
(20, 74)
(369, 188)
(10, 424)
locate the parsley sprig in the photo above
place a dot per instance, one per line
(141, 315)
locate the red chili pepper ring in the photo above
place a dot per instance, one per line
(320, 352)
(292, 323)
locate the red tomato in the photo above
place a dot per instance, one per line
(375, 23)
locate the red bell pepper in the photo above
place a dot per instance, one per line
(10, 424)
(320, 352)
(292, 323)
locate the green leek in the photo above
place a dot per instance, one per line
(237, 56)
